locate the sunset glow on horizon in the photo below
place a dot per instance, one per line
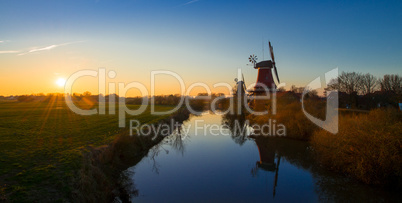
(194, 100)
(42, 41)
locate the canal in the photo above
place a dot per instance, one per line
(208, 161)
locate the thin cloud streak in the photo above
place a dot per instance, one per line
(43, 49)
(47, 48)
(9, 52)
(190, 2)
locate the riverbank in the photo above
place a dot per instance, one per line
(98, 179)
(367, 147)
(289, 113)
(44, 145)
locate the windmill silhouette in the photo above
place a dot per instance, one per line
(265, 81)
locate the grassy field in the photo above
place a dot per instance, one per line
(42, 145)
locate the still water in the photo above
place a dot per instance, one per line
(207, 162)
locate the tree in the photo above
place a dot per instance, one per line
(347, 82)
(368, 83)
(86, 94)
(391, 83)
(350, 82)
(295, 89)
(281, 89)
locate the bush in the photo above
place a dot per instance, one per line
(367, 147)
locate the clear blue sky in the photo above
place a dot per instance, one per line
(204, 40)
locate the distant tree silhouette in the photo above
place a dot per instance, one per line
(361, 91)
(87, 94)
(25, 98)
(281, 89)
(347, 82)
(369, 83)
(295, 89)
(391, 83)
(350, 82)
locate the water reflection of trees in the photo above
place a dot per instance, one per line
(126, 187)
(176, 140)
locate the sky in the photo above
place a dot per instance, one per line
(201, 40)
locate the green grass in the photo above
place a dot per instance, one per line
(41, 146)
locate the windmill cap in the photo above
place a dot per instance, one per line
(264, 64)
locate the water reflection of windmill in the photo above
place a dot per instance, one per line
(269, 159)
(237, 125)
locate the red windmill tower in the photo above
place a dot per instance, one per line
(265, 81)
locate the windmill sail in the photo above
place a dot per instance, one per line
(271, 50)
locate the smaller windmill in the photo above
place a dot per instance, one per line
(240, 87)
(240, 95)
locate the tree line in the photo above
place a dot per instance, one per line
(362, 84)
(365, 91)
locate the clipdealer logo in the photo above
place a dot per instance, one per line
(121, 88)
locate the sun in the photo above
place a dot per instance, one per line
(60, 82)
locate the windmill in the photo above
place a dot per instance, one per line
(240, 95)
(265, 81)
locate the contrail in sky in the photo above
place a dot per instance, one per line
(47, 47)
(190, 2)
